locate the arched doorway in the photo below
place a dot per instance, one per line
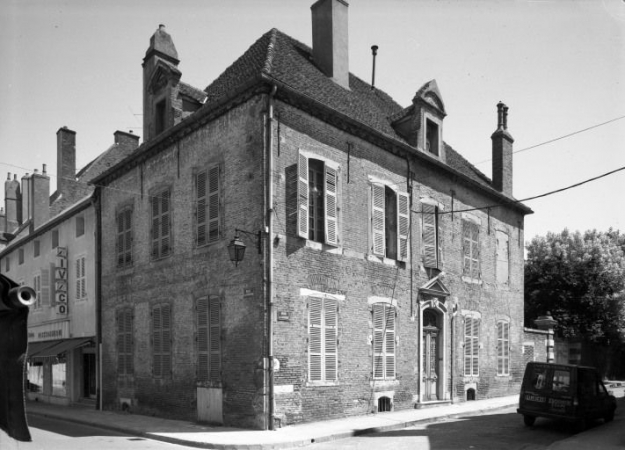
(431, 370)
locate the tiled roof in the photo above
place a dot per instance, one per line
(193, 92)
(278, 56)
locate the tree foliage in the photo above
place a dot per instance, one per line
(580, 280)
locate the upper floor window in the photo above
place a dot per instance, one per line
(20, 255)
(502, 257)
(383, 341)
(124, 238)
(81, 278)
(322, 339)
(80, 226)
(431, 137)
(430, 235)
(161, 225)
(37, 289)
(317, 200)
(159, 117)
(207, 209)
(503, 348)
(161, 340)
(55, 238)
(209, 338)
(471, 346)
(36, 248)
(471, 249)
(389, 222)
(7, 263)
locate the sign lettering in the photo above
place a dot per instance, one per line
(60, 280)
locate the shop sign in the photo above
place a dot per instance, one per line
(60, 280)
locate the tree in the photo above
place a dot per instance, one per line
(580, 280)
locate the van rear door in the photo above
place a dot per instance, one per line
(535, 388)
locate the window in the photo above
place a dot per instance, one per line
(471, 345)
(389, 222)
(20, 254)
(124, 238)
(124, 342)
(209, 338)
(383, 341)
(36, 249)
(37, 289)
(317, 197)
(55, 238)
(81, 278)
(503, 249)
(161, 341)
(207, 212)
(159, 117)
(80, 226)
(430, 235)
(471, 249)
(431, 138)
(503, 348)
(7, 263)
(322, 339)
(161, 229)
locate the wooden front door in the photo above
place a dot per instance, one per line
(430, 355)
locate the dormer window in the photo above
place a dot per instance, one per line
(431, 137)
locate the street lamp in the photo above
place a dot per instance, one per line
(236, 248)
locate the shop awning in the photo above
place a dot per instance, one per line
(62, 346)
(36, 347)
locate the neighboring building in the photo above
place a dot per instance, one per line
(383, 271)
(51, 246)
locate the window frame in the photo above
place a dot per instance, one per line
(125, 237)
(207, 188)
(323, 319)
(80, 226)
(162, 341)
(430, 235)
(500, 261)
(80, 277)
(208, 338)
(125, 342)
(471, 352)
(503, 347)
(378, 215)
(161, 243)
(331, 199)
(384, 341)
(471, 249)
(37, 289)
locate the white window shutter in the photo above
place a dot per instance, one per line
(314, 339)
(202, 339)
(215, 338)
(213, 204)
(429, 236)
(331, 196)
(302, 196)
(330, 337)
(378, 215)
(403, 228)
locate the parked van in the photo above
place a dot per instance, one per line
(566, 392)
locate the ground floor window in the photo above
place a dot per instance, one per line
(35, 376)
(59, 377)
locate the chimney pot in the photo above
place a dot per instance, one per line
(44, 169)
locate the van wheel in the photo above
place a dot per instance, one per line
(529, 420)
(609, 417)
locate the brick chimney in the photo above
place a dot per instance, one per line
(128, 141)
(3, 221)
(39, 197)
(66, 161)
(26, 198)
(12, 203)
(502, 152)
(330, 39)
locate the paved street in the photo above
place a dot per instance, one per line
(498, 430)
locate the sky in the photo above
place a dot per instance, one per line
(559, 65)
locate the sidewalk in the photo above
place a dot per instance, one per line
(203, 436)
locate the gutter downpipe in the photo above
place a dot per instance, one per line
(268, 245)
(97, 203)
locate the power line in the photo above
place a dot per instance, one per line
(561, 137)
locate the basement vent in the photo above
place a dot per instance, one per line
(470, 394)
(384, 404)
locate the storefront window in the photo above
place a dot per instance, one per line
(35, 377)
(59, 377)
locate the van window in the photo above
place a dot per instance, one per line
(561, 380)
(539, 377)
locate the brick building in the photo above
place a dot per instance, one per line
(51, 246)
(383, 271)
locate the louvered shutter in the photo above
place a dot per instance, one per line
(128, 237)
(121, 344)
(499, 348)
(331, 196)
(467, 345)
(157, 342)
(378, 340)
(330, 337)
(167, 355)
(430, 254)
(475, 252)
(156, 227)
(506, 348)
(389, 347)
(129, 337)
(314, 339)
(202, 339)
(45, 287)
(378, 215)
(213, 204)
(83, 278)
(475, 347)
(165, 224)
(215, 338)
(302, 196)
(200, 208)
(403, 227)
(120, 239)
(78, 279)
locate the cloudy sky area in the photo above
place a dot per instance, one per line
(559, 66)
